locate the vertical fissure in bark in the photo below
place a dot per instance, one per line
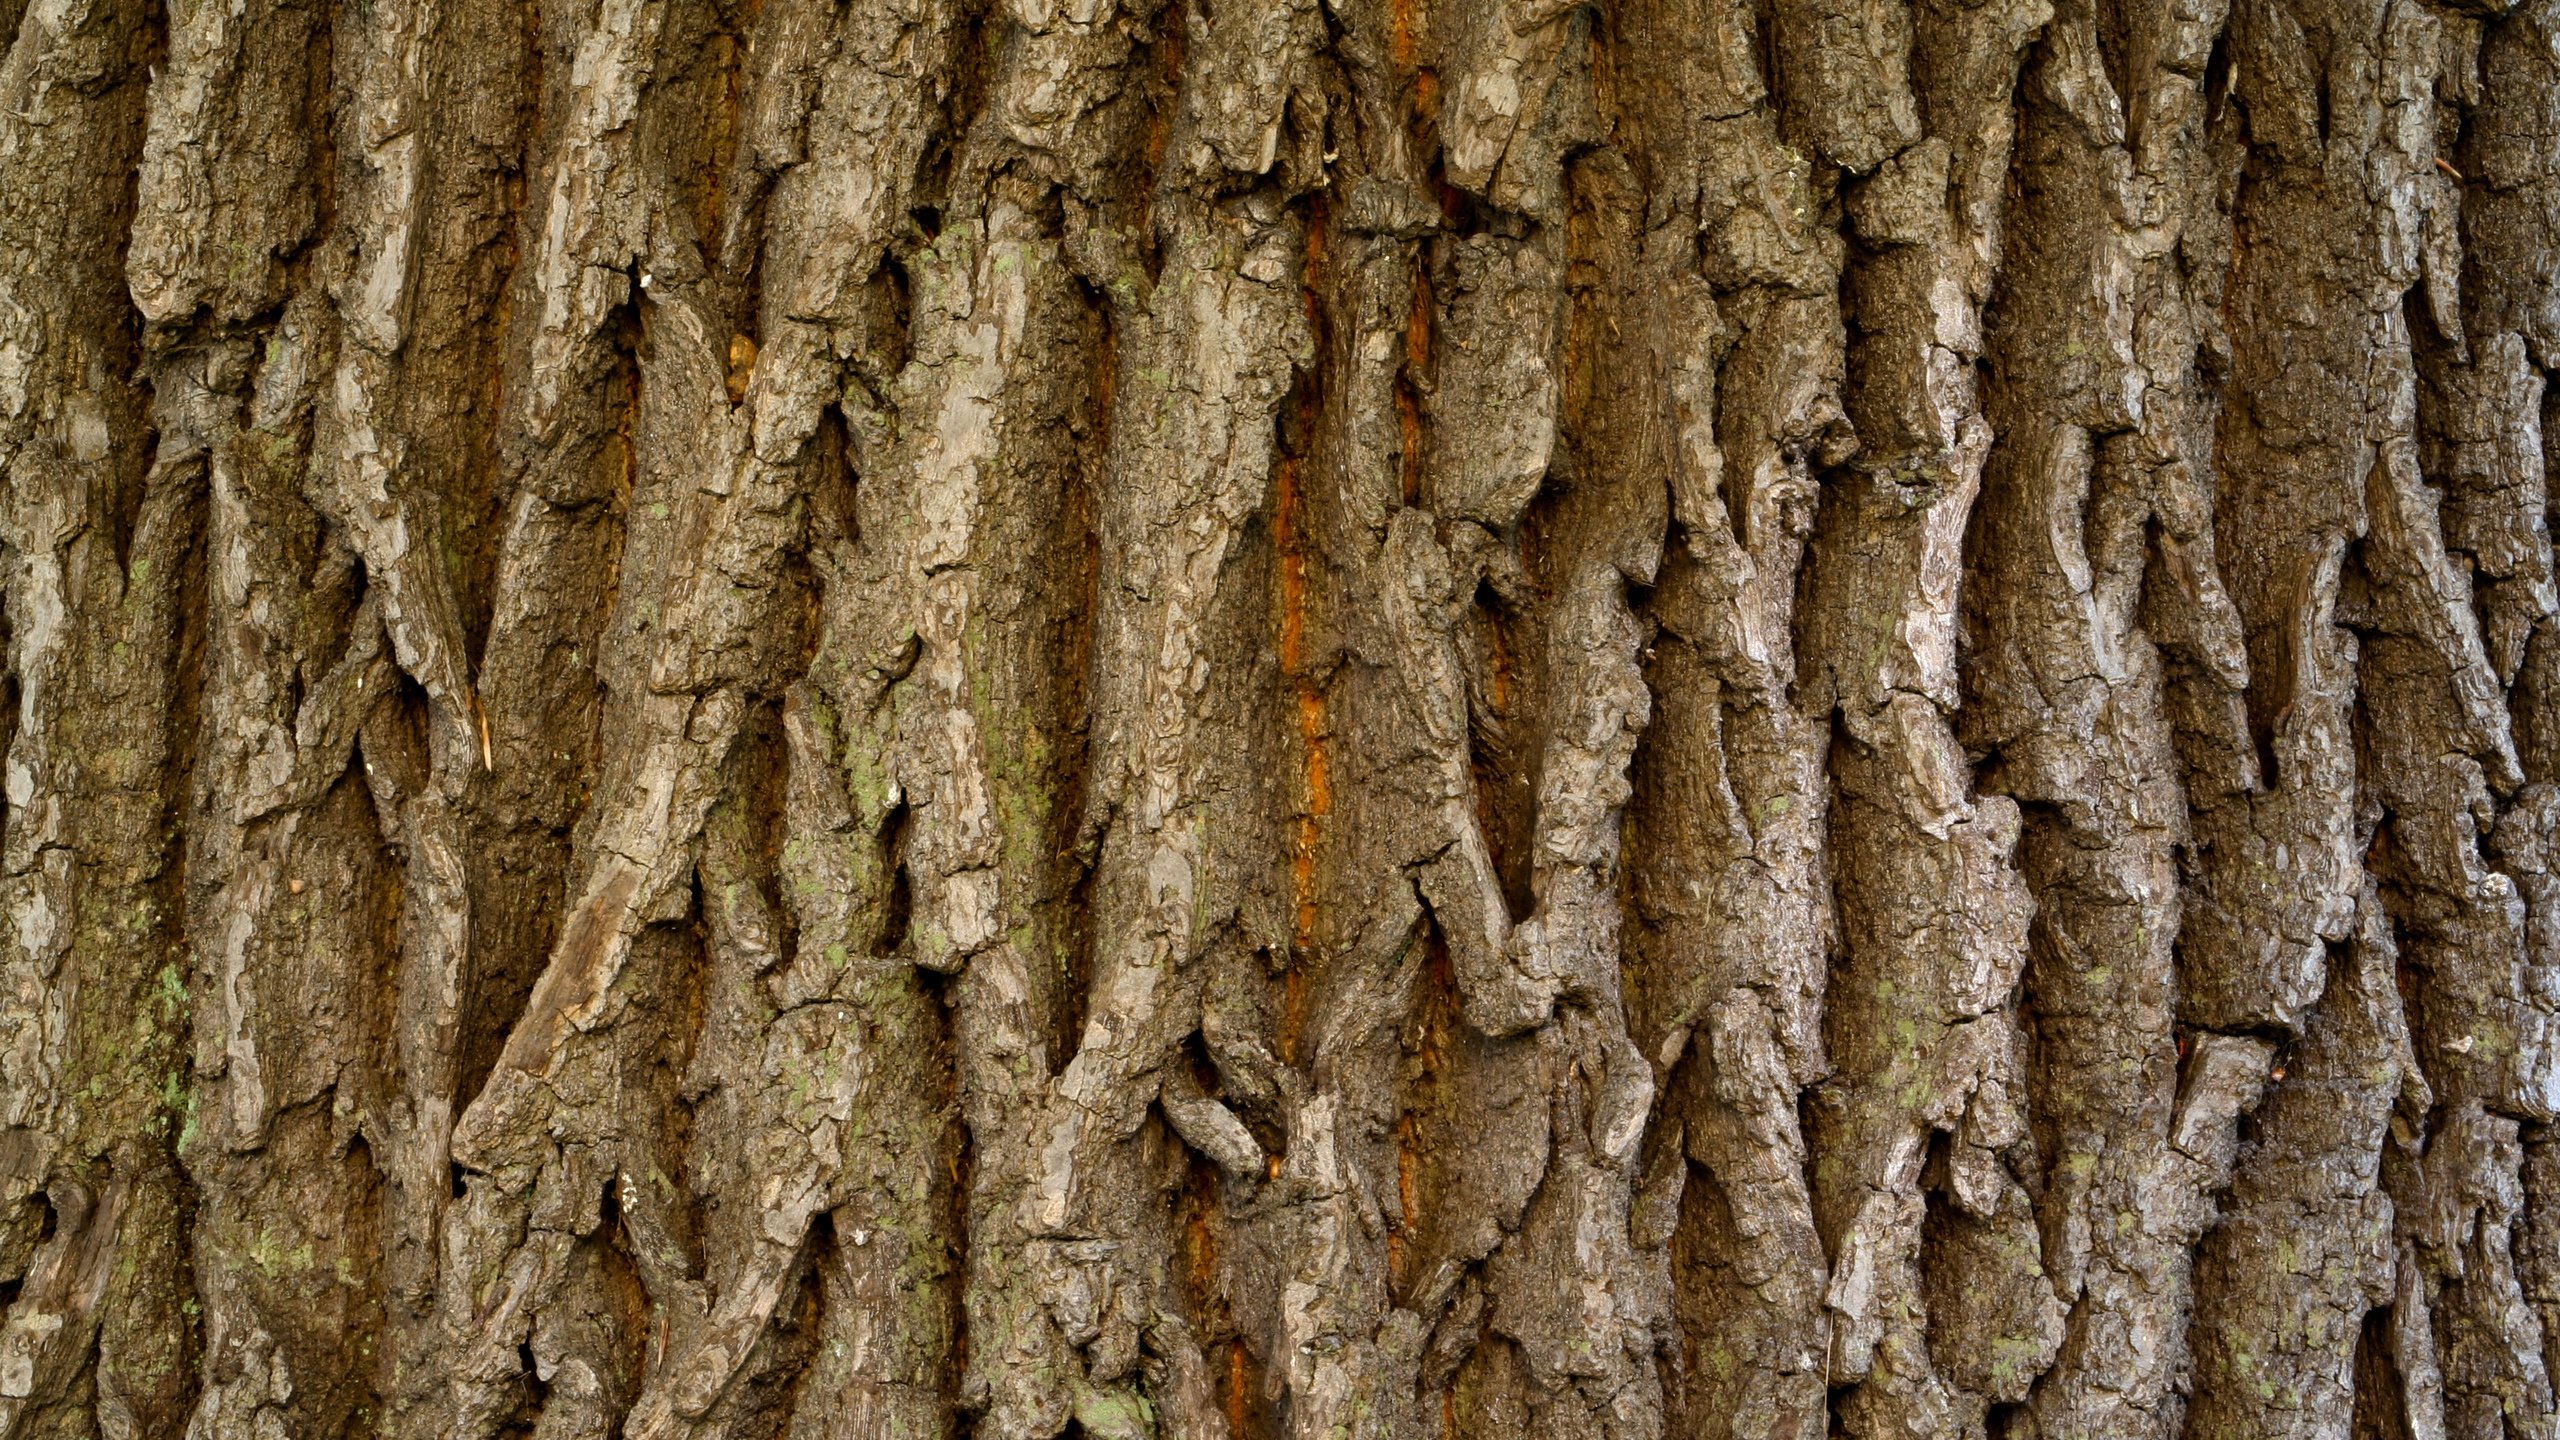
(1400, 719)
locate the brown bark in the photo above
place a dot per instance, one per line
(1387, 718)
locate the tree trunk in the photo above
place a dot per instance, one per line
(1217, 719)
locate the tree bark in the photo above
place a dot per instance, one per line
(1386, 719)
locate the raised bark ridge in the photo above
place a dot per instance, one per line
(1388, 719)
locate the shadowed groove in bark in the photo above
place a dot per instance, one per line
(1399, 719)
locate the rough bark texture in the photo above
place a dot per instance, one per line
(1215, 719)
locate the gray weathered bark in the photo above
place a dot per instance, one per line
(1390, 719)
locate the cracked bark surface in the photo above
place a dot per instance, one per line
(1403, 719)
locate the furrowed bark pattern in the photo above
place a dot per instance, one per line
(1343, 718)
